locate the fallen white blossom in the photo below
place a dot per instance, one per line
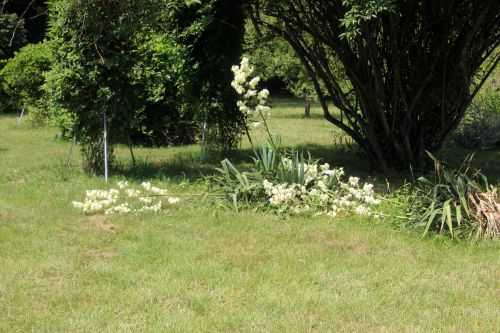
(124, 200)
(324, 190)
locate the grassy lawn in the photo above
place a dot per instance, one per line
(196, 268)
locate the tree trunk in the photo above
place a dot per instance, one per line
(307, 104)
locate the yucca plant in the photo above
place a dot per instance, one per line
(455, 200)
(238, 186)
(292, 168)
(270, 162)
(267, 158)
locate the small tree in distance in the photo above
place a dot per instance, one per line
(274, 58)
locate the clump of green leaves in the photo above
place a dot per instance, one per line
(11, 39)
(240, 187)
(359, 12)
(23, 76)
(454, 203)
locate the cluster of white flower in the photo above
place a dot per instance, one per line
(122, 185)
(98, 201)
(252, 101)
(152, 208)
(173, 200)
(155, 190)
(323, 190)
(123, 208)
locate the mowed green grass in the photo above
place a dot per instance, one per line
(198, 268)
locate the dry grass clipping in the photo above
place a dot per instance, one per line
(486, 209)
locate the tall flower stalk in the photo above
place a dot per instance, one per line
(252, 102)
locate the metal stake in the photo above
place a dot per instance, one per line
(71, 150)
(204, 137)
(105, 148)
(20, 117)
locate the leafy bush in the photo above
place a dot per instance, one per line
(456, 202)
(101, 70)
(156, 70)
(480, 127)
(8, 22)
(23, 76)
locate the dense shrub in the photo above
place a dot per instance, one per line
(213, 31)
(110, 60)
(156, 71)
(23, 76)
(8, 23)
(480, 128)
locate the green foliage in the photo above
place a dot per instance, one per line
(92, 150)
(33, 16)
(159, 74)
(23, 75)
(271, 162)
(287, 182)
(8, 23)
(267, 158)
(480, 128)
(91, 75)
(359, 12)
(153, 67)
(214, 48)
(110, 60)
(239, 187)
(443, 204)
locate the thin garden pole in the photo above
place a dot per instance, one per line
(204, 137)
(105, 148)
(21, 116)
(71, 150)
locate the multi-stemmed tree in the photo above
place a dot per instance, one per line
(413, 66)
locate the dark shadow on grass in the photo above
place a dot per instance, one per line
(299, 116)
(181, 167)
(355, 163)
(175, 170)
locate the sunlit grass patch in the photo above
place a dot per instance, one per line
(196, 267)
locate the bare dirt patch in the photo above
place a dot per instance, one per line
(100, 223)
